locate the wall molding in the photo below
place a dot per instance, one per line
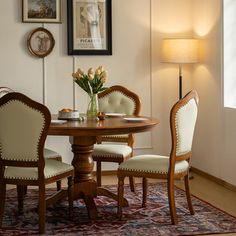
(74, 90)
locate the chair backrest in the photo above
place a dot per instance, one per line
(23, 129)
(4, 91)
(118, 99)
(182, 121)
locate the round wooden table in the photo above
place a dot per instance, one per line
(82, 136)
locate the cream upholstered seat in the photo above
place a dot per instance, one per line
(24, 125)
(153, 164)
(48, 153)
(182, 122)
(52, 168)
(116, 99)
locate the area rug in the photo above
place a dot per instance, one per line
(137, 221)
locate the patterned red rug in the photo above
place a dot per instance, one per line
(152, 220)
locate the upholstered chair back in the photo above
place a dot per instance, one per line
(184, 117)
(22, 127)
(4, 91)
(118, 99)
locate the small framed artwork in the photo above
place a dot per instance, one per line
(44, 11)
(40, 42)
(89, 27)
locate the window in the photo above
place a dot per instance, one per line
(229, 34)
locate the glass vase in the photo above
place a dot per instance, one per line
(92, 107)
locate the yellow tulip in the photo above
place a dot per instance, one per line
(77, 75)
(99, 70)
(90, 74)
(104, 74)
(80, 71)
(103, 80)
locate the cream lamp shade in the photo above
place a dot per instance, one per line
(180, 51)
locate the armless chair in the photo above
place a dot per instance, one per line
(116, 99)
(183, 117)
(48, 153)
(24, 125)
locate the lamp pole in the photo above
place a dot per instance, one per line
(180, 81)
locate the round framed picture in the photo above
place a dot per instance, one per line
(40, 42)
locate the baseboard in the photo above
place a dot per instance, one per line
(214, 179)
(194, 170)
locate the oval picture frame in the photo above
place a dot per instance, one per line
(40, 42)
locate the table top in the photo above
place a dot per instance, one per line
(111, 125)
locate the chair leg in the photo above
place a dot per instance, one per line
(59, 185)
(132, 184)
(25, 189)
(20, 197)
(42, 208)
(145, 187)
(171, 198)
(120, 196)
(2, 201)
(70, 195)
(99, 173)
(188, 194)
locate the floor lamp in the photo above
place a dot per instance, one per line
(180, 51)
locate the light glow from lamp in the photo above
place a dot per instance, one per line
(180, 51)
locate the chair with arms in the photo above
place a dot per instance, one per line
(24, 125)
(182, 123)
(116, 99)
(48, 153)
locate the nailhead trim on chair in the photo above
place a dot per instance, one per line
(123, 166)
(64, 168)
(110, 153)
(176, 127)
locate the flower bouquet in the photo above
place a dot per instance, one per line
(92, 83)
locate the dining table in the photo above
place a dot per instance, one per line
(82, 137)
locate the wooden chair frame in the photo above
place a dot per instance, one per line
(171, 176)
(6, 90)
(129, 140)
(41, 181)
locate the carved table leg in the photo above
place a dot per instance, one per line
(84, 185)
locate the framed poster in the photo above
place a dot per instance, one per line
(40, 42)
(89, 27)
(44, 11)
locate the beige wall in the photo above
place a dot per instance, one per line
(49, 80)
(216, 131)
(138, 29)
(168, 20)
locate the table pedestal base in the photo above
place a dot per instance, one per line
(84, 185)
(87, 191)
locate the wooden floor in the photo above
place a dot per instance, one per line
(201, 187)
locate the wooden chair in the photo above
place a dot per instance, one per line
(116, 99)
(48, 153)
(24, 126)
(182, 123)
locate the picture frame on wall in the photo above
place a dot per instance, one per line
(41, 11)
(40, 42)
(89, 27)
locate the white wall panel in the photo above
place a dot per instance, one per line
(50, 79)
(19, 70)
